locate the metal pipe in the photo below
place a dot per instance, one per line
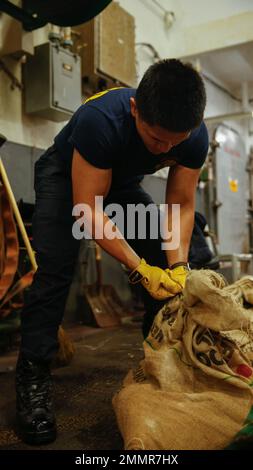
(165, 11)
(160, 6)
(245, 97)
(230, 116)
(220, 87)
(151, 48)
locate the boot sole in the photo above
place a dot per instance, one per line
(38, 438)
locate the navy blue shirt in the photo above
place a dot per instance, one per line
(104, 133)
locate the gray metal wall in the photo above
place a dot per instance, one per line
(156, 187)
(19, 163)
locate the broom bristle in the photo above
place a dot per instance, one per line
(66, 348)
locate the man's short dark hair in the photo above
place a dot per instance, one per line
(171, 95)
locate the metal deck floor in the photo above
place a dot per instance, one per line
(83, 391)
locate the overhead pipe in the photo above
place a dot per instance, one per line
(245, 97)
(230, 116)
(245, 113)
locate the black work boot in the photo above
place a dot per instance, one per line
(35, 412)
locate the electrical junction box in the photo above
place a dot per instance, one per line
(52, 79)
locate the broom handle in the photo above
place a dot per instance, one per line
(98, 266)
(17, 215)
(66, 347)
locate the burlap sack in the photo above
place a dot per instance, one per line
(193, 390)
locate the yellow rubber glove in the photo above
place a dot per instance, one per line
(157, 282)
(178, 275)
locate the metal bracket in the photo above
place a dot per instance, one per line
(15, 83)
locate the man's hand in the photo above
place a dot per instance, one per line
(157, 281)
(178, 275)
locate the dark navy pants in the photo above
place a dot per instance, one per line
(57, 252)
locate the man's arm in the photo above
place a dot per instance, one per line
(88, 182)
(181, 189)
